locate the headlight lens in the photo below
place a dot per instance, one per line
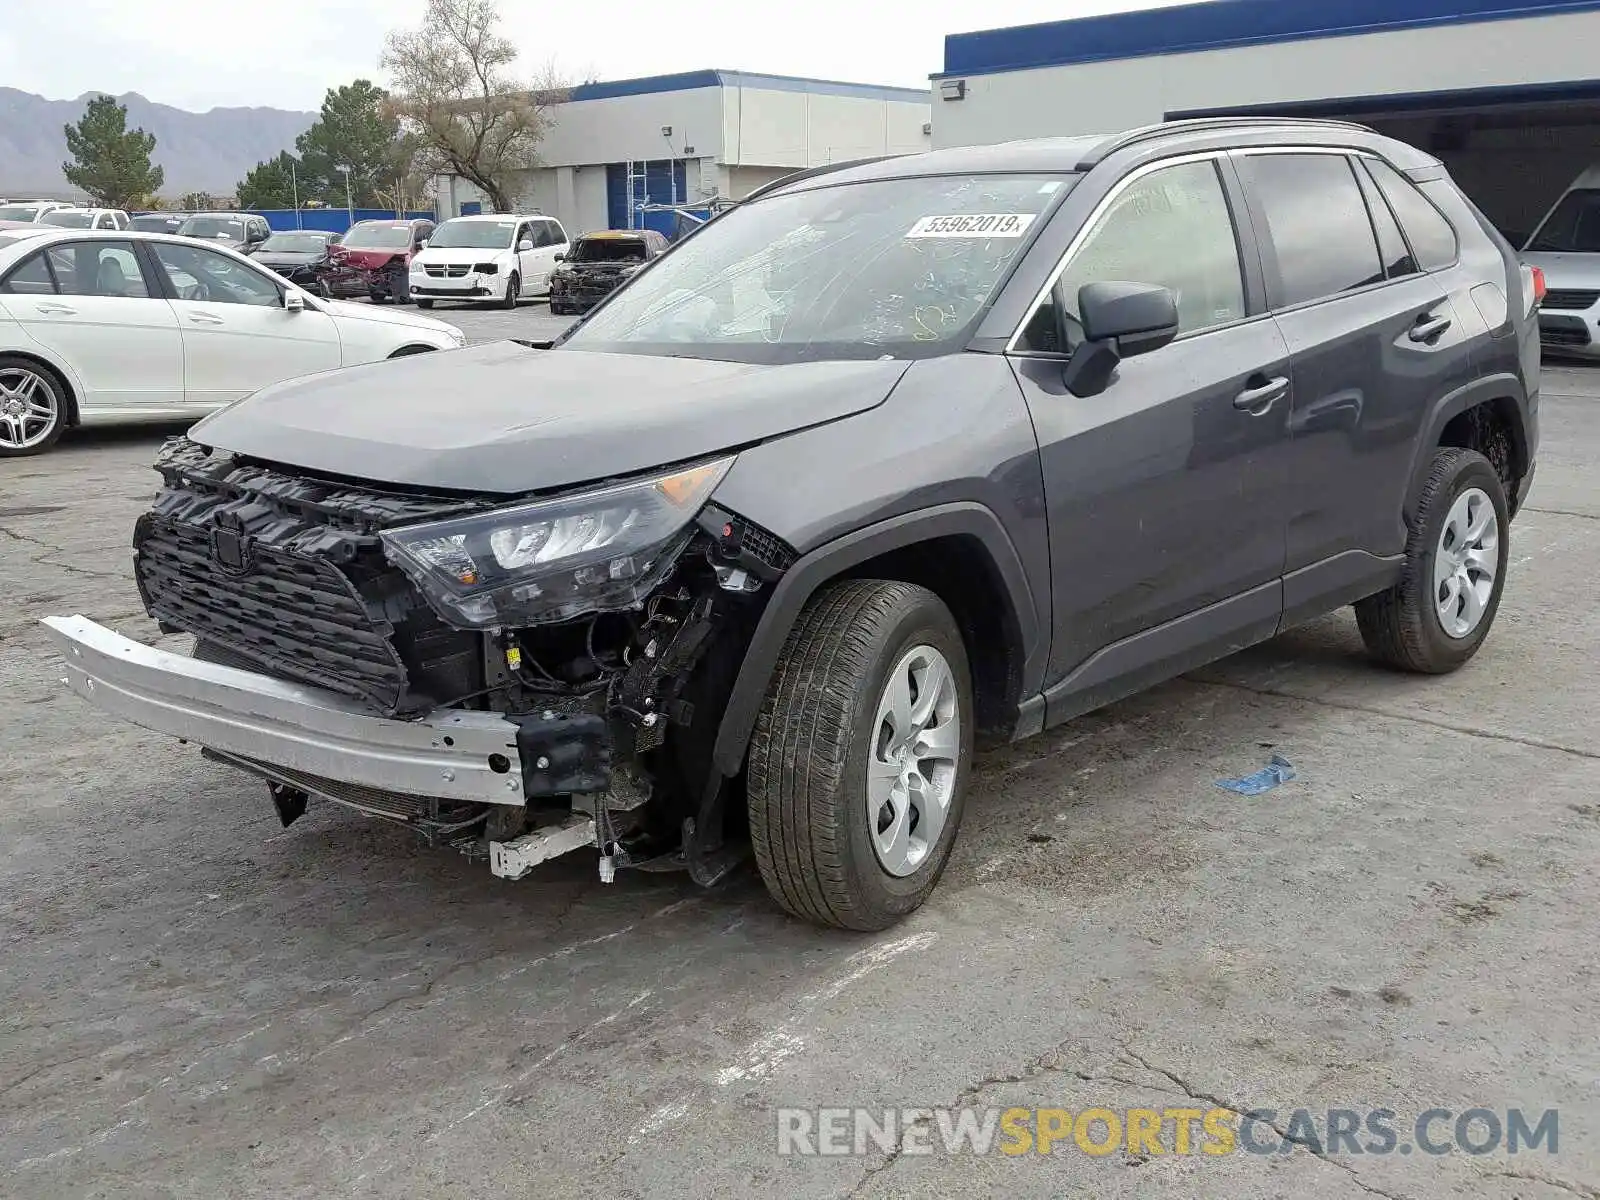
(534, 563)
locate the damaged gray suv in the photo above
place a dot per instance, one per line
(891, 458)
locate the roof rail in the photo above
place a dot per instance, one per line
(1147, 133)
(810, 173)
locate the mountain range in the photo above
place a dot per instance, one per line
(201, 152)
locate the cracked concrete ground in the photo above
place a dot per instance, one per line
(198, 1003)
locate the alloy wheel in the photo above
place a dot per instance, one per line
(1466, 563)
(911, 773)
(28, 408)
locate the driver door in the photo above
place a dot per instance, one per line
(237, 336)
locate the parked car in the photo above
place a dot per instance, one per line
(598, 263)
(499, 258)
(299, 255)
(1566, 248)
(30, 210)
(98, 327)
(374, 258)
(238, 231)
(86, 218)
(895, 455)
(159, 222)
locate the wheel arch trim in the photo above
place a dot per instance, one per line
(826, 562)
(1490, 388)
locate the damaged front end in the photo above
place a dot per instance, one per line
(514, 680)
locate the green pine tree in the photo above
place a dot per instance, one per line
(111, 162)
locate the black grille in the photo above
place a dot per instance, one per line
(295, 615)
(1570, 332)
(286, 575)
(1571, 299)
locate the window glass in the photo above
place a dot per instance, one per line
(1318, 224)
(201, 274)
(1170, 228)
(1396, 255)
(98, 269)
(558, 237)
(1432, 237)
(31, 278)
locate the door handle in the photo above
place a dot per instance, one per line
(205, 319)
(63, 309)
(1429, 328)
(1259, 397)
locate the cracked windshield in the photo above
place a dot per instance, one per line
(864, 270)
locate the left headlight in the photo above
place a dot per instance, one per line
(533, 563)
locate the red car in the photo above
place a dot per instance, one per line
(374, 258)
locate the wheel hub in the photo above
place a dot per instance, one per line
(1466, 563)
(27, 409)
(915, 750)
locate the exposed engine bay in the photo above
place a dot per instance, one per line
(614, 682)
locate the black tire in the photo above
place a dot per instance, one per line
(807, 777)
(378, 297)
(557, 309)
(1402, 626)
(513, 291)
(45, 386)
(424, 303)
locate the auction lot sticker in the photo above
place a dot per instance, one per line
(974, 225)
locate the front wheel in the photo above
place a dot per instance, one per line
(513, 290)
(1436, 617)
(424, 304)
(860, 756)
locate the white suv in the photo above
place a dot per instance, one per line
(496, 257)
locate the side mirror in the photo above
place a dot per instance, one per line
(1120, 320)
(422, 243)
(561, 258)
(293, 302)
(524, 245)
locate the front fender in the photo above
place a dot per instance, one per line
(832, 559)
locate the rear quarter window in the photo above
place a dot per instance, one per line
(1432, 237)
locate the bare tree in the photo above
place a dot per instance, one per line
(457, 92)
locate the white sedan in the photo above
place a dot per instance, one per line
(102, 327)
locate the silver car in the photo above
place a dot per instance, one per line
(1566, 246)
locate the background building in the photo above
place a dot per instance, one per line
(1505, 92)
(689, 138)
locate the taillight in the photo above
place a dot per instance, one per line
(1533, 288)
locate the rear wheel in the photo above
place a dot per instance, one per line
(860, 755)
(1436, 617)
(33, 408)
(424, 303)
(513, 291)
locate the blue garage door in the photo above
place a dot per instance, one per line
(667, 183)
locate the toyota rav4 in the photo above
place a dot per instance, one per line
(892, 457)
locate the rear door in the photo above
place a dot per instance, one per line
(237, 335)
(1373, 340)
(92, 304)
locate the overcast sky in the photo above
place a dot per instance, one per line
(200, 54)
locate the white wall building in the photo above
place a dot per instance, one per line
(1506, 92)
(696, 136)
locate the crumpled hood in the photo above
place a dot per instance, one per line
(505, 419)
(368, 259)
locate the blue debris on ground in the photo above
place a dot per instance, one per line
(1279, 770)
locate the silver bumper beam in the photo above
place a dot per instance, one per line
(449, 754)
